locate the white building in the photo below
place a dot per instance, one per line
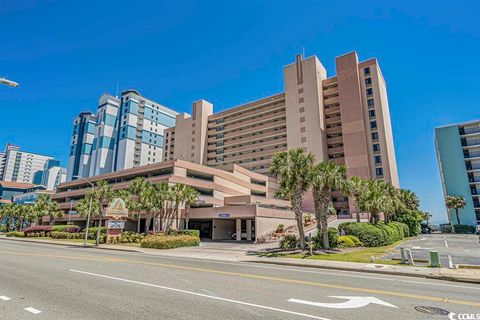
(125, 133)
(20, 166)
(53, 174)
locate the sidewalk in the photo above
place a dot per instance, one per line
(245, 253)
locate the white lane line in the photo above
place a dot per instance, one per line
(201, 295)
(32, 310)
(4, 298)
(445, 240)
(351, 274)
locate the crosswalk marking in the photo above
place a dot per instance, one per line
(4, 298)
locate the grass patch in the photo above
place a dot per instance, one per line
(91, 241)
(362, 255)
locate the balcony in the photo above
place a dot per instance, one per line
(469, 131)
(473, 167)
(472, 154)
(471, 143)
(474, 179)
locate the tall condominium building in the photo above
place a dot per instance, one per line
(52, 175)
(125, 133)
(20, 166)
(458, 153)
(343, 118)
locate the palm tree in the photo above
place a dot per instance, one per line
(409, 199)
(89, 202)
(148, 203)
(326, 176)
(136, 188)
(104, 194)
(54, 211)
(40, 206)
(357, 186)
(375, 199)
(190, 197)
(292, 167)
(162, 195)
(455, 202)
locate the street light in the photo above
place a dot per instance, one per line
(8, 82)
(89, 210)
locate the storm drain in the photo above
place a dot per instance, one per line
(432, 311)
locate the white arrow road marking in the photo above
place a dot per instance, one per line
(353, 302)
(201, 295)
(4, 298)
(32, 310)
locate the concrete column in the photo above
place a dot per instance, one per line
(249, 230)
(239, 229)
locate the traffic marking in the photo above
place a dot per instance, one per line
(32, 310)
(201, 295)
(4, 298)
(351, 303)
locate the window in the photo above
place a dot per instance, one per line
(368, 81)
(371, 113)
(376, 147)
(369, 91)
(379, 172)
(366, 71)
(374, 136)
(377, 159)
(300, 100)
(302, 119)
(370, 102)
(373, 124)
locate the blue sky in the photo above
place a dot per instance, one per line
(65, 54)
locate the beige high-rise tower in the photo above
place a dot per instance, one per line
(344, 118)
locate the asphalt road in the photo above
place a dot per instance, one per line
(39, 281)
(459, 248)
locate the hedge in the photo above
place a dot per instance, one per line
(411, 222)
(169, 242)
(66, 228)
(130, 237)
(345, 242)
(15, 234)
(355, 240)
(37, 230)
(463, 228)
(77, 235)
(193, 233)
(95, 229)
(375, 235)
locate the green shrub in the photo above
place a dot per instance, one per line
(18, 234)
(289, 242)
(66, 228)
(345, 242)
(374, 235)
(169, 242)
(193, 233)
(463, 228)
(355, 240)
(94, 230)
(412, 223)
(131, 237)
(332, 238)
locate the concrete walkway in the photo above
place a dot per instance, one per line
(246, 252)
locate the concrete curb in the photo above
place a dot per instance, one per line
(387, 272)
(66, 244)
(399, 273)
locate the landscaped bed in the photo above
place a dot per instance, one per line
(164, 240)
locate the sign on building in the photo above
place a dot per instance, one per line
(116, 224)
(117, 208)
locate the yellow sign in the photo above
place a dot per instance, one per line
(117, 208)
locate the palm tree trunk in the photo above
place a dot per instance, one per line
(138, 222)
(324, 219)
(358, 211)
(147, 222)
(458, 217)
(297, 208)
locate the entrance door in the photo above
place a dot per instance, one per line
(204, 226)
